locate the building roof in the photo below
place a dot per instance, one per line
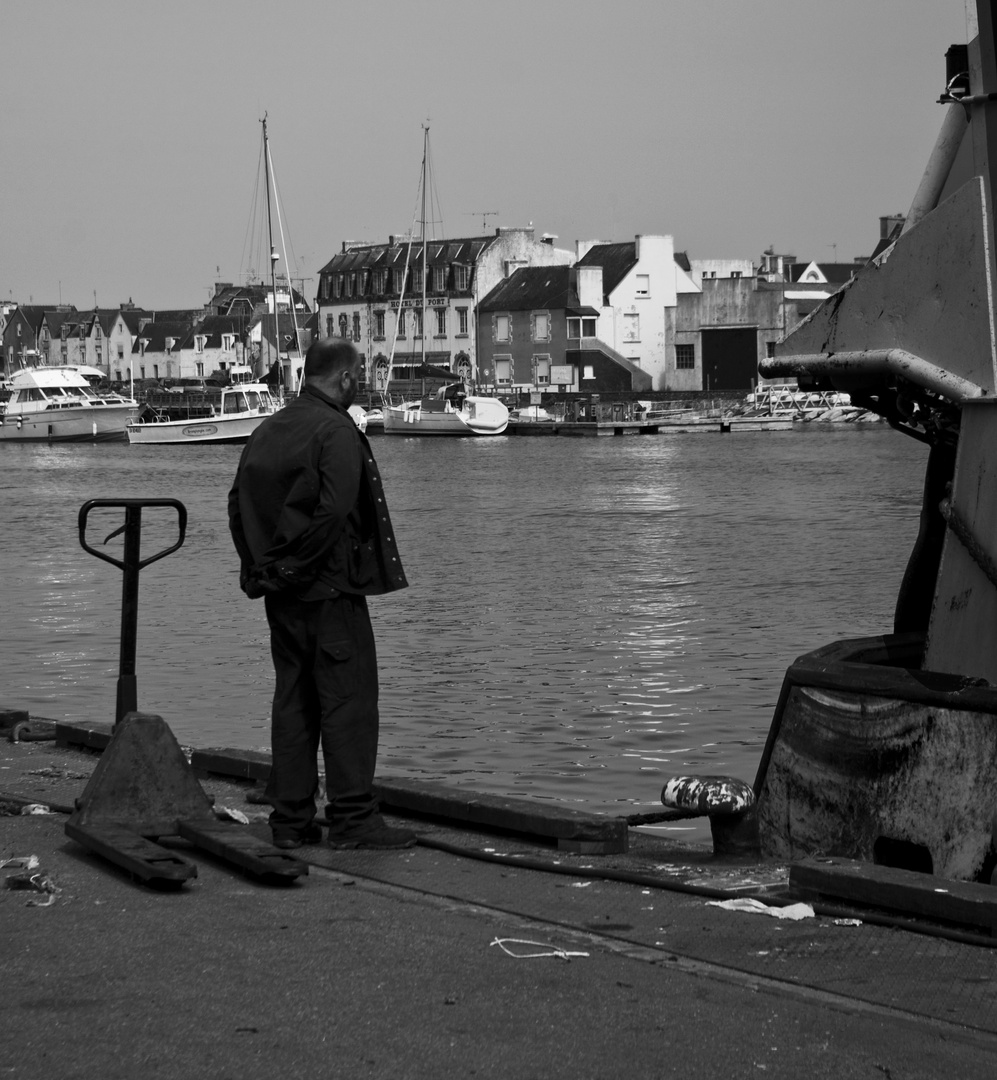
(838, 273)
(378, 256)
(533, 288)
(134, 318)
(154, 334)
(54, 318)
(616, 260)
(245, 299)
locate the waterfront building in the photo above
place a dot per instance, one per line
(373, 295)
(125, 328)
(530, 330)
(614, 311)
(286, 343)
(22, 337)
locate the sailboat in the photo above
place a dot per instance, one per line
(451, 411)
(231, 414)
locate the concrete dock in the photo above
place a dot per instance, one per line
(417, 963)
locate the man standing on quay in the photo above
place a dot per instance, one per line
(311, 526)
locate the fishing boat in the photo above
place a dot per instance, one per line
(450, 411)
(228, 415)
(59, 404)
(880, 765)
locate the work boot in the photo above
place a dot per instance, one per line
(371, 833)
(287, 838)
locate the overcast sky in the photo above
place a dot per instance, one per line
(130, 134)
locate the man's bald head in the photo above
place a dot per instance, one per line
(333, 365)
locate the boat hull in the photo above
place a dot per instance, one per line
(216, 429)
(871, 760)
(477, 417)
(98, 423)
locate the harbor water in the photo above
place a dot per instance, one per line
(585, 617)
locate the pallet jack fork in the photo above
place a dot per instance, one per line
(143, 787)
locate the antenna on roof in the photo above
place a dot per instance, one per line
(485, 214)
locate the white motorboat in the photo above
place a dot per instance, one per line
(447, 415)
(59, 404)
(228, 415)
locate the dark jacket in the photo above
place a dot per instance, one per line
(307, 510)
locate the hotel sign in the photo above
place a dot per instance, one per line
(431, 302)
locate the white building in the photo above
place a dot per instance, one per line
(374, 295)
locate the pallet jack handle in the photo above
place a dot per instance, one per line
(131, 564)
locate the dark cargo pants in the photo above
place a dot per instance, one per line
(326, 696)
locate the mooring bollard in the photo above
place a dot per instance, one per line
(131, 564)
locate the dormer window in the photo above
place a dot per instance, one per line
(379, 281)
(228, 342)
(461, 277)
(439, 278)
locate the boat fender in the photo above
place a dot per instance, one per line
(712, 795)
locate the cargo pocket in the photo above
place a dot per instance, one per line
(337, 674)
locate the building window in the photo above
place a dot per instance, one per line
(401, 324)
(461, 277)
(344, 325)
(418, 324)
(735, 273)
(581, 328)
(199, 368)
(337, 285)
(541, 326)
(441, 322)
(379, 281)
(503, 327)
(503, 370)
(588, 371)
(541, 370)
(364, 281)
(356, 325)
(121, 353)
(439, 279)
(417, 279)
(770, 348)
(643, 285)
(379, 324)
(330, 325)
(228, 342)
(141, 372)
(198, 343)
(631, 327)
(155, 371)
(685, 357)
(462, 322)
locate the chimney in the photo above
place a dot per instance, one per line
(590, 286)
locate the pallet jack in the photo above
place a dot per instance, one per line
(143, 788)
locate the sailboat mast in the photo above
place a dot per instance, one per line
(425, 151)
(273, 254)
